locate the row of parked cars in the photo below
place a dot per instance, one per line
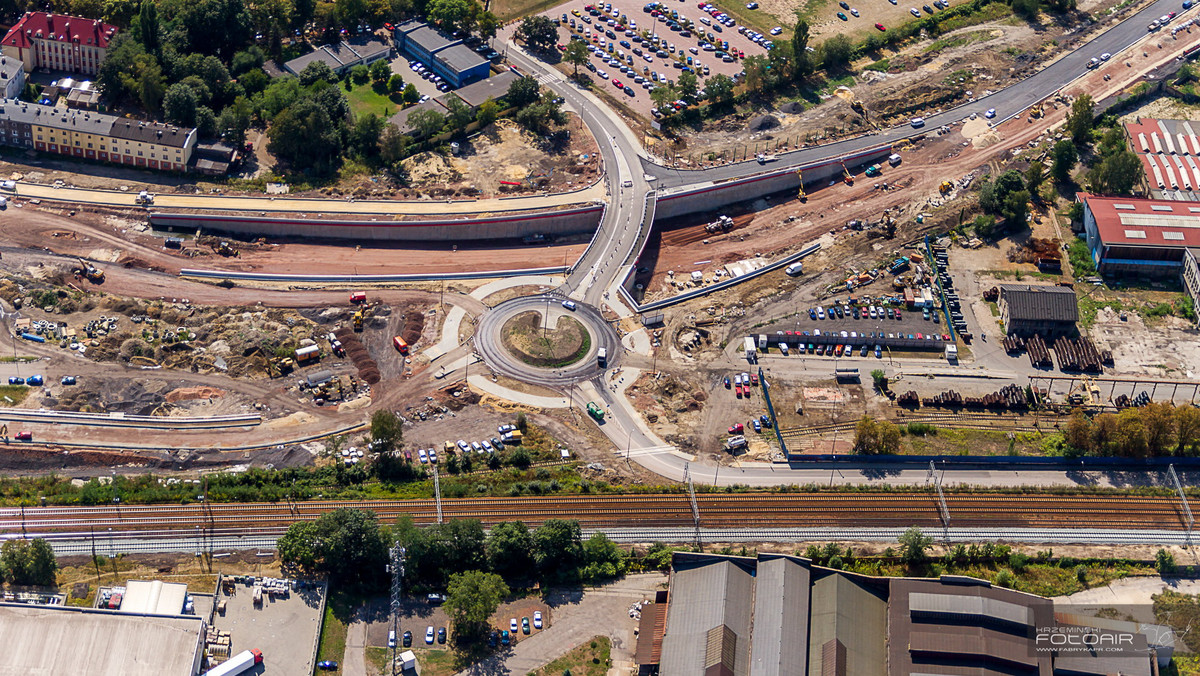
(855, 312)
(505, 637)
(428, 74)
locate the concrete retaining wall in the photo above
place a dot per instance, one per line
(566, 222)
(698, 200)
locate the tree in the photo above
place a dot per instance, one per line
(1081, 120)
(873, 437)
(41, 567)
(663, 95)
(360, 74)
(471, 598)
(538, 33)
(558, 549)
(486, 24)
(148, 26)
(879, 378)
(803, 61)
(488, 112)
(306, 137)
(755, 67)
(317, 71)
(576, 54)
(345, 544)
(206, 122)
(1164, 561)
(1131, 433)
(179, 105)
(1034, 177)
(218, 27)
(688, 85)
(1026, 9)
(603, 559)
(985, 226)
(233, 122)
(1159, 420)
(451, 15)
(719, 89)
(248, 59)
(426, 122)
(410, 95)
(523, 92)
(539, 117)
(392, 145)
(350, 12)
(510, 549)
(151, 85)
(1078, 434)
(837, 52)
(379, 71)
(1065, 158)
(1187, 429)
(386, 429)
(1116, 174)
(395, 84)
(460, 114)
(914, 545)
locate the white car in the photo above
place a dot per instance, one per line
(478, 448)
(1105, 56)
(462, 446)
(569, 304)
(424, 456)
(429, 635)
(512, 625)
(915, 12)
(433, 456)
(854, 11)
(991, 112)
(537, 619)
(487, 445)
(776, 30)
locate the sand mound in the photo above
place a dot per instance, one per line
(189, 393)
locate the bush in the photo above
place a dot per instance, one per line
(917, 429)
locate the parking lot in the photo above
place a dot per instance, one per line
(927, 331)
(647, 49)
(284, 629)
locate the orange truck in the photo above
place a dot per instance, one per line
(400, 345)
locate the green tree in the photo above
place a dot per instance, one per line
(889, 438)
(14, 561)
(756, 69)
(179, 105)
(471, 598)
(486, 25)
(523, 92)
(345, 544)
(663, 95)
(719, 89)
(1081, 120)
(539, 117)
(558, 549)
(151, 85)
(42, 567)
(1164, 562)
(360, 74)
(1116, 174)
(316, 71)
(395, 84)
(460, 114)
(1187, 429)
(1026, 9)
(538, 33)
(251, 58)
(426, 122)
(411, 95)
(1065, 158)
(985, 226)
(576, 54)
(602, 559)
(510, 549)
(306, 137)
(800, 53)
(233, 122)
(688, 85)
(914, 545)
(379, 71)
(392, 145)
(216, 27)
(1078, 435)
(488, 112)
(148, 26)
(837, 52)
(386, 428)
(451, 15)
(1034, 177)
(879, 378)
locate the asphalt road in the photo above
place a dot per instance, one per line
(1007, 102)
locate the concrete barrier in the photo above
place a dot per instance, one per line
(559, 223)
(363, 279)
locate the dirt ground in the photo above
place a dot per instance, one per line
(506, 152)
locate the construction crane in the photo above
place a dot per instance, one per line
(846, 174)
(92, 273)
(801, 195)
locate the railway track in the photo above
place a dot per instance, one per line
(955, 420)
(717, 511)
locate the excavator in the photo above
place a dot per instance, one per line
(360, 316)
(801, 195)
(225, 249)
(280, 366)
(847, 175)
(92, 273)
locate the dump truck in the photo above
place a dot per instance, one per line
(595, 411)
(899, 265)
(874, 170)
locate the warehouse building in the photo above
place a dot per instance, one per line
(494, 88)
(69, 640)
(448, 57)
(779, 615)
(1047, 311)
(1170, 155)
(341, 57)
(58, 42)
(1139, 237)
(96, 136)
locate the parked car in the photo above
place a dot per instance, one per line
(524, 625)
(737, 428)
(327, 665)
(537, 619)
(24, 436)
(429, 635)
(441, 635)
(407, 639)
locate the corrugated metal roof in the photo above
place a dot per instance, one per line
(981, 645)
(780, 618)
(849, 612)
(651, 627)
(958, 604)
(1040, 303)
(706, 594)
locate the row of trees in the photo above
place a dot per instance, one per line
(1154, 430)
(876, 437)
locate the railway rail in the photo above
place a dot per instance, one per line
(717, 511)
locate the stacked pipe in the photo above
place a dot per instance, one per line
(1013, 344)
(947, 398)
(1039, 354)
(909, 398)
(1077, 354)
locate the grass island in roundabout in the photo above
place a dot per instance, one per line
(561, 342)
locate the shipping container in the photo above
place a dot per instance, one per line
(308, 353)
(400, 345)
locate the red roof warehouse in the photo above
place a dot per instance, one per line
(59, 42)
(1140, 237)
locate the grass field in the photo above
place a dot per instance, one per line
(364, 99)
(14, 394)
(338, 609)
(586, 659)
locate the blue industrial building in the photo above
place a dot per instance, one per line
(448, 57)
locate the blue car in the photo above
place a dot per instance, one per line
(328, 665)
(14, 380)
(812, 313)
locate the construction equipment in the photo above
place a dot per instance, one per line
(144, 198)
(722, 224)
(801, 195)
(359, 317)
(858, 107)
(1036, 111)
(945, 187)
(92, 273)
(846, 175)
(282, 366)
(874, 170)
(225, 249)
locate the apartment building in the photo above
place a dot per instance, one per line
(59, 42)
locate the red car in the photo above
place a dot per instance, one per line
(617, 83)
(738, 391)
(753, 378)
(24, 436)
(737, 428)
(881, 27)
(562, 47)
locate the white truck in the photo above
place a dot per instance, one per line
(144, 197)
(751, 350)
(602, 357)
(951, 353)
(236, 664)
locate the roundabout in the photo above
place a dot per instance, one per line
(515, 339)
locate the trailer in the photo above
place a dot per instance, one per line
(751, 350)
(237, 664)
(307, 353)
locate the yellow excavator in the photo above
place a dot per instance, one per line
(801, 195)
(93, 274)
(225, 249)
(360, 316)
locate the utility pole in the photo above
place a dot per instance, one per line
(396, 567)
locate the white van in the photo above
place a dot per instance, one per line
(795, 269)
(894, 160)
(917, 122)
(392, 638)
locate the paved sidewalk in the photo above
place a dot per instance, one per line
(354, 662)
(576, 615)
